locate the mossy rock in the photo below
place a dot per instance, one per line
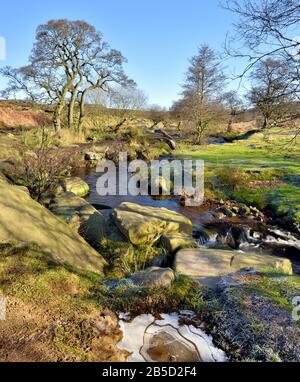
(24, 220)
(144, 225)
(153, 277)
(3, 178)
(75, 185)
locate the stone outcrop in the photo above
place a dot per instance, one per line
(174, 241)
(24, 220)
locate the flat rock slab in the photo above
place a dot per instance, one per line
(24, 220)
(207, 266)
(144, 225)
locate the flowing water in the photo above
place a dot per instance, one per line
(149, 339)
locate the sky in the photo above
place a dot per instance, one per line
(156, 36)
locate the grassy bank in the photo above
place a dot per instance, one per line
(263, 170)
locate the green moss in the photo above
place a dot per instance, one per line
(183, 294)
(276, 288)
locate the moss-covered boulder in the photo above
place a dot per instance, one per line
(144, 225)
(75, 185)
(174, 241)
(24, 220)
(81, 215)
(208, 265)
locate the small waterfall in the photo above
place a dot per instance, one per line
(206, 237)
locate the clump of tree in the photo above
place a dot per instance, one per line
(264, 36)
(269, 93)
(200, 104)
(68, 61)
(119, 103)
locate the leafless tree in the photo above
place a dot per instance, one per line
(269, 91)
(202, 90)
(69, 59)
(126, 101)
(266, 29)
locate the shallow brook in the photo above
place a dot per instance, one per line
(237, 233)
(147, 339)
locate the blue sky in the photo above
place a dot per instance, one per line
(156, 36)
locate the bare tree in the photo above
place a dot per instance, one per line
(265, 29)
(269, 92)
(68, 60)
(126, 101)
(202, 91)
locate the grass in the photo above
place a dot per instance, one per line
(28, 273)
(68, 297)
(262, 157)
(276, 288)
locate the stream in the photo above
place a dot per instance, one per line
(166, 339)
(235, 233)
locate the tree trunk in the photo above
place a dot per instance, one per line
(57, 115)
(71, 112)
(266, 122)
(200, 130)
(60, 106)
(229, 126)
(82, 110)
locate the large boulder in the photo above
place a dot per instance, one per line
(76, 185)
(144, 225)
(24, 220)
(207, 266)
(153, 277)
(81, 215)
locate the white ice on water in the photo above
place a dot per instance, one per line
(138, 332)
